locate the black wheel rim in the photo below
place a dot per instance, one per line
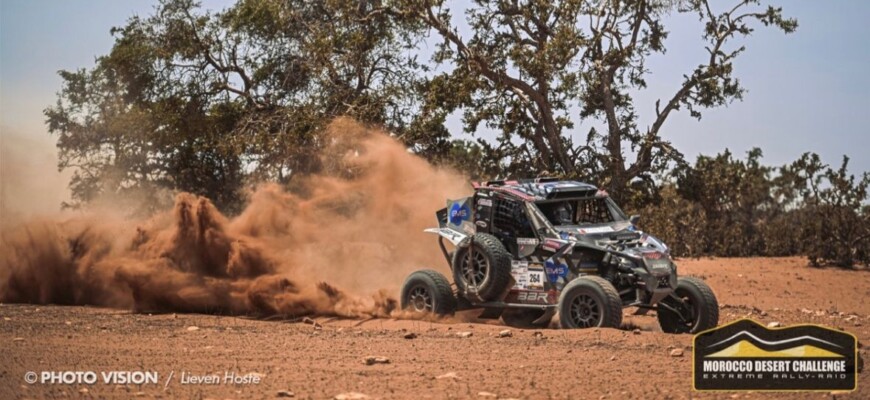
(475, 269)
(688, 314)
(585, 311)
(420, 299)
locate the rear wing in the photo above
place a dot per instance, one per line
(455, 222)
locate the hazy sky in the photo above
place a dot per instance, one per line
(808, 91)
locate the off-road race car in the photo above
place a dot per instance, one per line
(526, 250)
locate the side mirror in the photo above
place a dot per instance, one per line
(634, 219)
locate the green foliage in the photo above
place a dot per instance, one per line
(835, 224)
(728, 207)
(680, 223)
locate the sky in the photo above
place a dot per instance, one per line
(807, 91)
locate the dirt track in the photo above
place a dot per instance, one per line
(322, 363)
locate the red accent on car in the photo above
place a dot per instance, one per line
(653, 255)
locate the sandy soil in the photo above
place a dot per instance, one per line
(319, 362)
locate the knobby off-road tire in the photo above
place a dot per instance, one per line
(486, 275)
(589, 302)
(701, 303)
(524, 318)
(428, 291)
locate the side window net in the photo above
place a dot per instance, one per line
(592, 212)
(510, 219)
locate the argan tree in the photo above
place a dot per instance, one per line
(538, 71)
(204, 102)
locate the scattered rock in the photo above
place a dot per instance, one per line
(539, 335)
(677, 353)
(192, 328)
(371, 360)
(487, 394)
(635, 331)
(465, 334)
(449, 375)
(410, 335)
(18, 339)
(285, 393)
(739, 275)
(613, 357)
(139, 394)
(806, 311)
(84, 390)
(504, 333)
(351, 396)
(7, 319)
(774, 324)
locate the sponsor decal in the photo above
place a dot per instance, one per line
(745, 355)
(535, 297)
(459, 212)
(553, 244)
(481, 224)
(595, 229)
(484, 202)
(527, 241)
(555, 270)
(449, 232)
(519, 270)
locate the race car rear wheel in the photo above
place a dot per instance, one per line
(696, 304)
(524, 318)
(428, 291)
(482, 267)
(589, 302)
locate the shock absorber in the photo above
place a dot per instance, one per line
(609, 268)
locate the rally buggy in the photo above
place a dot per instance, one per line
(529, 249)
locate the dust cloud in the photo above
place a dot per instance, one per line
(340, 245)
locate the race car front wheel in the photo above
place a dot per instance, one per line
(691, 309)
(428, 291)
(589, 302)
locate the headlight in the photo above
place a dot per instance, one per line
(652, 241)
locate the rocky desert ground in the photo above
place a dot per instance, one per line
(458, 358)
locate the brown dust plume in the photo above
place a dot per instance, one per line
(342, 247)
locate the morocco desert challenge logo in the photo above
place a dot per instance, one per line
(745, 355)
